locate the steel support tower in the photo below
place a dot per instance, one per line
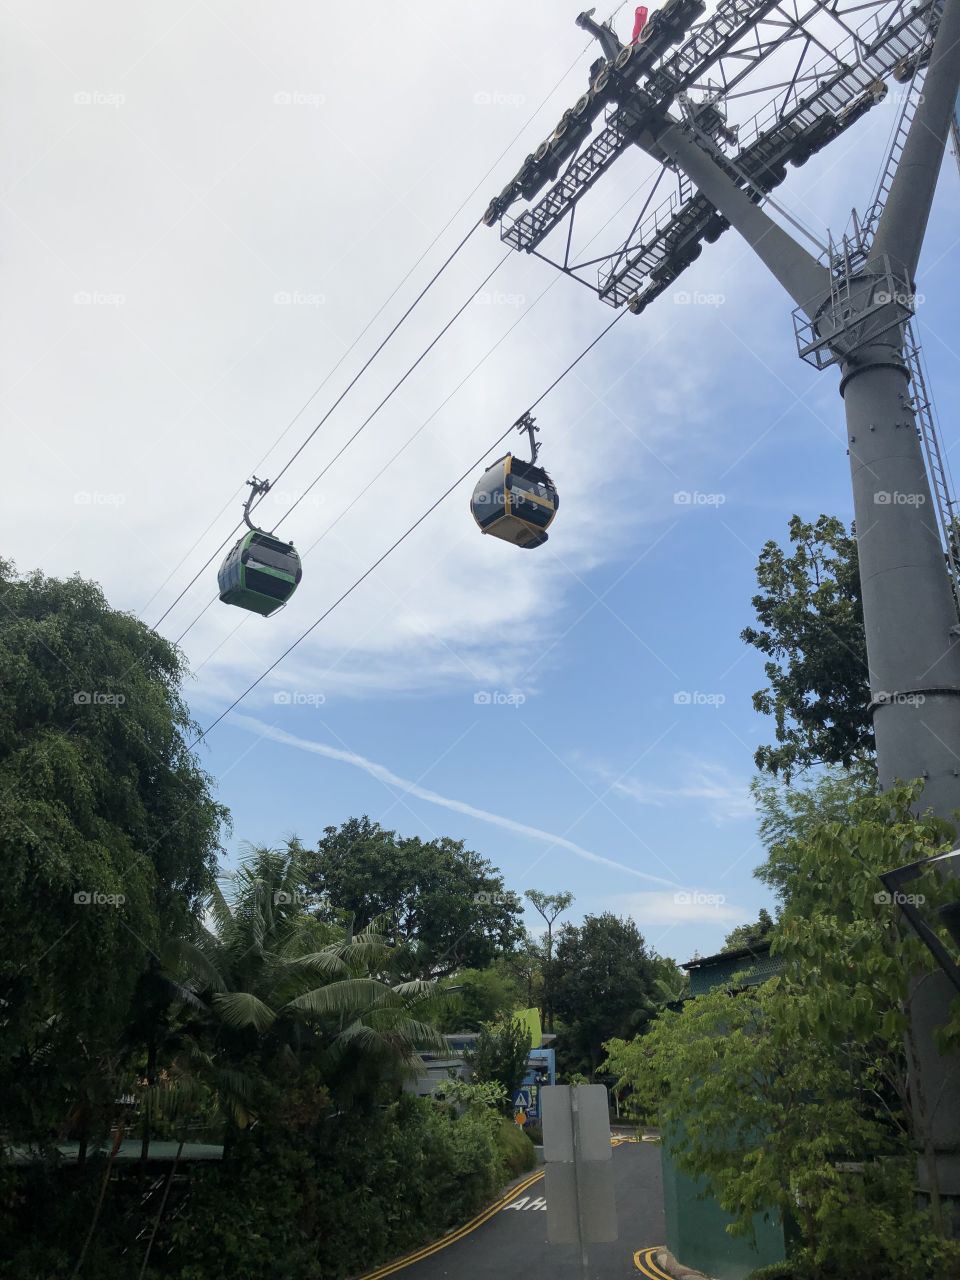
(853, 309)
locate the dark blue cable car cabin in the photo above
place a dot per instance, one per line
(516, 501)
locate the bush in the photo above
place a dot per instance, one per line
(515, 1148)
(344, 1195)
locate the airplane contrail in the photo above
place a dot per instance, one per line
(383, 774)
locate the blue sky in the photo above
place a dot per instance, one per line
(198, 200)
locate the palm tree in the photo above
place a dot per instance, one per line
(280, 981)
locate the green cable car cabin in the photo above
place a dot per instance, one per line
(261, 572)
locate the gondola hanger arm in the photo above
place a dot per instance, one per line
(257, 489)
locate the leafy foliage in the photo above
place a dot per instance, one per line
(605, 985)
(99, 795)
(334, 1196)
(770, 1093)
(285, 988)
(447, 906)
(472, 1093)
(500, 1055)
(477, 996)
(789, 813)
(745, 935)
(811, 630)
(549, 906)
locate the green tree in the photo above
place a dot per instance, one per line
(745, 935)
(523, 965)
(287, 990)
(768, 1093)
(788, 814)
(605, 984)
(108, 835)
(476, 996)
(447, 906)
(670, 982)
(500, 1055)
(850, 968)
(549, 906)
(811, 631)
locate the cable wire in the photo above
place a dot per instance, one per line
(422, 427)
(350, 385)
(358, 338)
(403, 537)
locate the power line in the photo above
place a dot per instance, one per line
(406, 534)
(357, 340)
(396, 387)
(416, 433)
(350, 385)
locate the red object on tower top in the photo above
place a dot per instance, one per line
(639, 22)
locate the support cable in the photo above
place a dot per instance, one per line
(403, 537)
(350, 385)
(359, 336)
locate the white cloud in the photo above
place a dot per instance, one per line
(393, 780)
(191, 202)
(725, 795)
(692, 906)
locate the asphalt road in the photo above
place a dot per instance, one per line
(510, 1241)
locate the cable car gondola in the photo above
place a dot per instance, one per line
(260, 572)
(516, 500)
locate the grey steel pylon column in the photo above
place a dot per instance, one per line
(909, 614)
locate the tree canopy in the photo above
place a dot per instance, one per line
(605, 981)
(811, 631)
(772, 1093)
(109, 834)
(447, 906)
(745, 935)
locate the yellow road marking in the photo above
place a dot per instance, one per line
(645, 1263)
(428, 1250)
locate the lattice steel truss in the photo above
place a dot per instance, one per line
(824, 73)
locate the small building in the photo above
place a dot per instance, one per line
(754, 964)
(541, 1066)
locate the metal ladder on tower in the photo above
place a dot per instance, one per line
(937, 471)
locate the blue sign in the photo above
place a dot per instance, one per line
(527, 1099)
